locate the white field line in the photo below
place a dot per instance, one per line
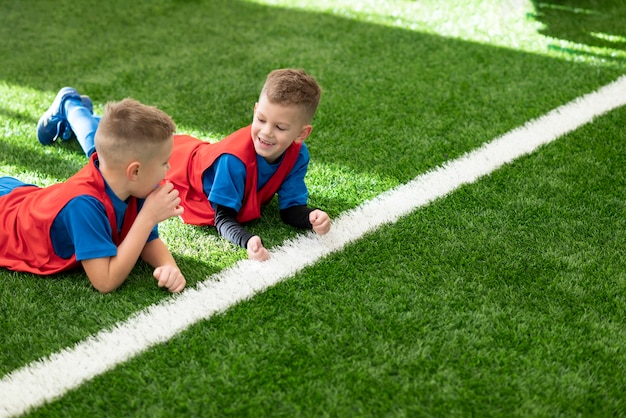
(51, 377)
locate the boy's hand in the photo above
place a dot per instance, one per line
(256, 251)
(170, 277)
(162, 203)
(320, 221)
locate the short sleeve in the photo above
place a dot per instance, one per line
(224, 182)
(82, 228)
(293, 190)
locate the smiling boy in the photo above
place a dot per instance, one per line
(225, 184)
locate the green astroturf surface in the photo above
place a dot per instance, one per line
(505, 298)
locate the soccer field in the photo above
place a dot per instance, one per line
(471, 155)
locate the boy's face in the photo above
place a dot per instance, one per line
(153, 169)
(275, 127)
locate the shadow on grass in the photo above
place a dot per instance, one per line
(26, 157)
(588, 22)
(18, 117)
(390, 95)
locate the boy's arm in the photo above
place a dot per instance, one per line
(293, 196)
(304, 217)
(224, 182)
(227, 226)
(166, 271)
(297, 216)
(108, 273)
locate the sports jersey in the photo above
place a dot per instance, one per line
(224, 181)
(191, 157)
(28, 213)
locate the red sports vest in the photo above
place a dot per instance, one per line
(191, 157)
(27, 214)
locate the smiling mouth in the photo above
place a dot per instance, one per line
(264, 143)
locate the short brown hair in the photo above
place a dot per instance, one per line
(128, 128)
(289, 86)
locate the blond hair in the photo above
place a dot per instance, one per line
(130, 129)
(289, 87)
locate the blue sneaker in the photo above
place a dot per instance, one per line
(53, 124)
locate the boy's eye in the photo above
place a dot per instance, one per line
(280, 128)
(261, 120)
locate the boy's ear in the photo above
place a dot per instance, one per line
(132, 170)
(304, 133)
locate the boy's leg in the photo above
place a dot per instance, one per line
(53, 124)
(7, 184)
(82, 122)
(70, 113)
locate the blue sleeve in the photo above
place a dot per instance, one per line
(224, 182)
(293, 191)
(82, 228)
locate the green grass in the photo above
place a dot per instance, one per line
(503, 299)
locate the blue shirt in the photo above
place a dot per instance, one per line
(224, 182)
(82, 226)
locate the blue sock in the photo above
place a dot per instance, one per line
(83, 123)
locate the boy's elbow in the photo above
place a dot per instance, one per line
(103, 288)
(103, 285)
(99, 273)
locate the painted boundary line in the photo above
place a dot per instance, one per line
(53, 376)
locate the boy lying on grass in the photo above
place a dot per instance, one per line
(225, 184)
(106, 215)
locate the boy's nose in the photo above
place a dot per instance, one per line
(266, 130)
